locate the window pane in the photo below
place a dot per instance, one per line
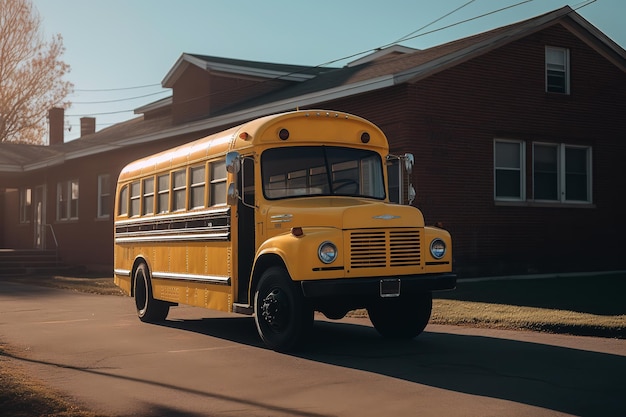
(218, 170)
(507, 155)
(148, 196)
(556, 70)
(123, 202)
(164, 194)
(134, 199)
(197, 175)
(218, 183)
(218, 193)
(508, 170)
(354, 172)
(179, 200)
(197, 187)
(179, 179)
(179, 183)
(546, 177)
(104, 195)
(508, 184)
(576, 183)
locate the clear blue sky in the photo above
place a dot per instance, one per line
(116, 44)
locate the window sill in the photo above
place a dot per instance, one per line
(543, 204)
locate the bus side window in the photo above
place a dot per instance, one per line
(217, 193)
(148, 196)
(135, 196)
(198, 182)
(179, 187)
(163, 202)
(122, 209)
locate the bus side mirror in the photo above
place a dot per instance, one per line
(233, 166)
(233, 162)
(409, 161)
(232, 197)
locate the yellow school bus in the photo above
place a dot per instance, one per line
(278, 217)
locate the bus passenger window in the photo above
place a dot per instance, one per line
(134, 198)
(148, 196)
(179, 188)
(122, 210)
(198, 181)
(163, 202)
(218, 183)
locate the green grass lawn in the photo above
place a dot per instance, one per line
(591, 305)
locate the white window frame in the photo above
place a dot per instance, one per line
(104, 196)
(521, 170)
(562, 172)
(561, 67)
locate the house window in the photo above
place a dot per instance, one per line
(104, 196)
(163, 201)
(218, 183)
(179, 188)
(26, 195)
(148, 196)
(67, 200)
(509, 159)
(562, 173)
(557, 70)
(198, 182)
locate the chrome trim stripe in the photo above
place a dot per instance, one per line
(158, 218)
(125, 272)
(281, 218)
(211, 279)
(180, 236)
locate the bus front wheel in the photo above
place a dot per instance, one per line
(403, 317)
(149, 310)
(282, 316)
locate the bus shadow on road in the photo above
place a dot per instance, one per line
(573, 381)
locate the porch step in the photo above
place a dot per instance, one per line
(27, 262)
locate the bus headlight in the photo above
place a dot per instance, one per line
(437, 248)
(327, 252)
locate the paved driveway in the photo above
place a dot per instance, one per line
(203, 363)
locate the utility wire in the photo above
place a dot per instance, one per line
(434, 21)
(120, 99)
(118, 89)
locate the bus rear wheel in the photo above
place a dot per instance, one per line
(282, 316)
(149, 310)
(402, 317)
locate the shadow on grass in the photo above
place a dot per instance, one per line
(593, 294)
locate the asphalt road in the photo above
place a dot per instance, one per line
(203, 363)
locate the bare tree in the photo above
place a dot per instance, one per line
(31, 73)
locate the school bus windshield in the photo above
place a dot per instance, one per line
(321, 171)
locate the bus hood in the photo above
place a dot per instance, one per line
(341, 213)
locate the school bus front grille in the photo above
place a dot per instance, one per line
(385, 248)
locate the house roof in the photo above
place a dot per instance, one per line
(306, 86)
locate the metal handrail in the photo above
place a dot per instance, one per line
(54, 236)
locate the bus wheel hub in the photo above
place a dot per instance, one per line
(273, 309)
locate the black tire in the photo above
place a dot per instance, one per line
(282, 316)
(402, 317)
(149, 310)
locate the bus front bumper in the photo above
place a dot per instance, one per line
(383, 287)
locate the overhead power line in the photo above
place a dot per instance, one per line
(117, 89)
(120, 99)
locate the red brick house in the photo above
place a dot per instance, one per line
(518, 137)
